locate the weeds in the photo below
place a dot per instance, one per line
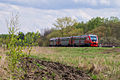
(53, 74)
(43, 78)
(41, 67)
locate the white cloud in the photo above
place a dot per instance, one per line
(115, 3)
(65, 4)
(28, 1)
(99, 3)
(32, 19)
(105, 2)
(90, 2)
(15, 7)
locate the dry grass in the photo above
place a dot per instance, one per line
(41, 50)
(3, 65)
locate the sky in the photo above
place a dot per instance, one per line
(38, 15)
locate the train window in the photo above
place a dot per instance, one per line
(51, 40)
(82, 38)
(77, 38)
(93, 38)
(85, 38)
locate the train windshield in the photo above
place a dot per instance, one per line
(93, 38)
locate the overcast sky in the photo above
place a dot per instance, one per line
(37, 15)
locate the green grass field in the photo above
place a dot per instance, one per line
(100, 63)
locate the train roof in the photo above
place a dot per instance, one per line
(80, 36)
(64, 37)
(53, 38)
(75, 36)
(92, 35)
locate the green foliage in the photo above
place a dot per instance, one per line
(43, 78)
(82, 25)
(15, 48)
(21, 35)
(4, 39)
(53, 74)
(72, 31)
(4, 36)
(94, 77)
(110, 41)
(15, 53)
(113, 19)
(0, 57)
(55, 33)
(62, 23)
(94, 23)
(100, 31)
(41, 67)
(31, 38)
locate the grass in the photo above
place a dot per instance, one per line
(99, 63)
(3, 65)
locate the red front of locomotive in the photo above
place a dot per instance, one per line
(93, 40)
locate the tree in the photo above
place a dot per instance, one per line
(29, 38)
(73, 31)
(20, 38)
(13, 24)
(100, 31)
(55, 33)
(21, 35)
(114, 19)
(62, 23)
(3, 39)
(93, 23)
(82, 26)
(115, 30)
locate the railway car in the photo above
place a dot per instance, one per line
(53, 42)
(83, 40)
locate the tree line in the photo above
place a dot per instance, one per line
(107, 29)
(30, 38)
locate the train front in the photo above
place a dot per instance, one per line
(93, 40)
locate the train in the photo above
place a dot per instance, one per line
(89, 40)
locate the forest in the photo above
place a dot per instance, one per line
(107, 29)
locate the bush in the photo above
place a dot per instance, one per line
(111, 41)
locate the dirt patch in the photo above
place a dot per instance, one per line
(46, 70)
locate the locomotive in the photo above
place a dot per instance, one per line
(82, 40)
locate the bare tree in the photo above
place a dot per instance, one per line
(13, 23)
